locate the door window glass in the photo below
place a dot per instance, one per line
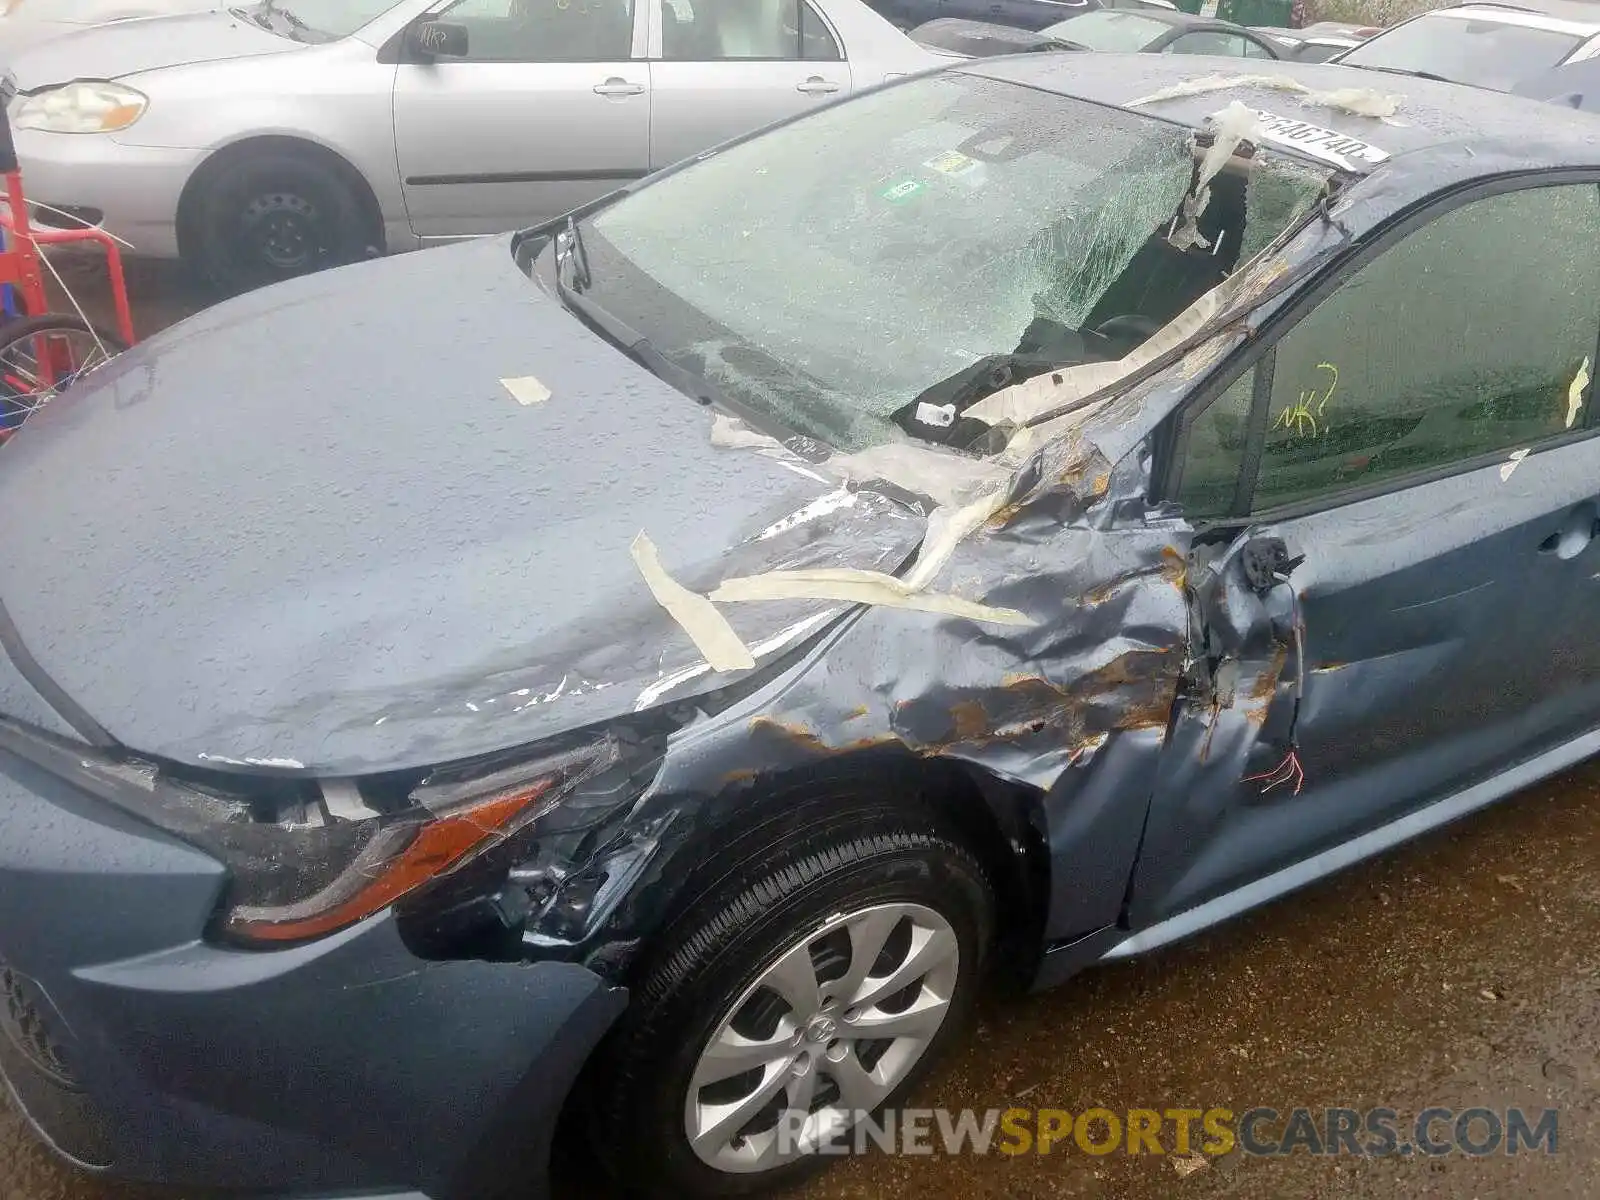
(1463, 340)
(1209, 42)
(545, 30)
(731, 30)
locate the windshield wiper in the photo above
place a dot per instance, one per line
(262, 16)
(577, 256)
(638, 347)
(1404, 71)
(255, 16)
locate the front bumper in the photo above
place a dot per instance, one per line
(136, 188)
(137, 1049)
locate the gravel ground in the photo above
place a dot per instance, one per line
(1458, 972)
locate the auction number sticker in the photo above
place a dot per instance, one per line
(1339, 148)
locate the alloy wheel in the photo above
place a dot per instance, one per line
(822, 1037)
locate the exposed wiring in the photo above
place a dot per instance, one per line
(1290, 769)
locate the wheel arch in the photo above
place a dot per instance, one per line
(1002, 824)
(224, 157)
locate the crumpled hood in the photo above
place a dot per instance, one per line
(142, 44)
(311, 526)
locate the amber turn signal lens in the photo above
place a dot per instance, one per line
(368, 887)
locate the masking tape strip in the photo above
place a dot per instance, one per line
(855, 586)
(706, 627)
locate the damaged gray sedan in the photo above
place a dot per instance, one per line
(648, 669)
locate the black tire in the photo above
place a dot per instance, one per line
(773, 889)
(273, 216)
(16, 344)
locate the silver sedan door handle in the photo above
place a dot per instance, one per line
(815, 85)
(618, 87)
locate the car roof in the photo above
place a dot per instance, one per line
(1525, 12)
(1496, 129)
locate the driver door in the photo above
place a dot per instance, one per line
(548, 108)
(1423, 452)
(729, 66)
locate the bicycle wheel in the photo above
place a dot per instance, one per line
(42, 356)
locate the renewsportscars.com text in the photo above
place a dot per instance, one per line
(1261, 1131)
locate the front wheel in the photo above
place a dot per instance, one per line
(272, 217)
(809, 991)
(40, 357)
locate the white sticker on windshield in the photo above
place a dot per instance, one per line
(1340, 149)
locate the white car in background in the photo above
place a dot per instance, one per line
(262, 142)
(1494, 46)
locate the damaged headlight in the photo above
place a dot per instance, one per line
(308, 858)
(378, 858)
(87, 106)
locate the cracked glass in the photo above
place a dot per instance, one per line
(1474, 336)
(827, 274)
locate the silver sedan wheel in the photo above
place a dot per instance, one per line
(829, 1029)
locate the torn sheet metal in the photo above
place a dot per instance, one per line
(699, 618)
(1073, 706)
(284, 764)
(1360, 102)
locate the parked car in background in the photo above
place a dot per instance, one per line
(681, 647)
(26, 23)
(1493, 46)
(1574, 85)
(265, 142)
(1153, 31)
(1319, 42)
(1020, 14)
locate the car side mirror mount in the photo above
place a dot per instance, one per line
(428, 40)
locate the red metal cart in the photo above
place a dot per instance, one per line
(42, 352)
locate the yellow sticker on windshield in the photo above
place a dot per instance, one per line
(951, 162)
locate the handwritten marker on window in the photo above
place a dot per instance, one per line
(526, 390)
(1575, 393)
(1510, 464)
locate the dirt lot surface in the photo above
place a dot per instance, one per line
(1459, 972)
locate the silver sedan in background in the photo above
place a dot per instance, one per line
(263, 142)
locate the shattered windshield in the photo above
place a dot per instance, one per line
(831, 276)
(1490, 53)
